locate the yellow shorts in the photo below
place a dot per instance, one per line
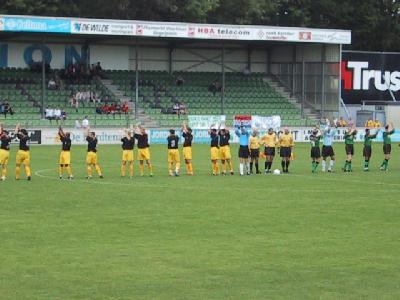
(173, 156)
(225, 152)
(214, 153)
(4, 156)
(144, 154)
(127, 155)
(65, 158)
(91, 158)
(187, 153)
(23, 157)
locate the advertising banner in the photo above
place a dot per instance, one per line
(264, 123)
(26, 24)
(206, 122)
(78, 136)
(103, 27)
(368, 76)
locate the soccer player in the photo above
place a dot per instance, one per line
(244, 151)
(173, 153)
(91, 156)
(286, 144)
(128, 143)
(225, 150)
(367, 150)
(143, 150)
(315, 139)
(5, 141)
(65, 155)
(270, 141)
(254, 142)
(327, 149)
(387, 146)
(23, 154)
(214, 150)
(187, 148)
(349, 138)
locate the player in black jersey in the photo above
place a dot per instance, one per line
(214, 150)
(173, 153)
(65, 155)
(143, 149)
(225, 150)
(23, 154)
(5, 141)
(187, 148)
(128, 143)
(91, 156)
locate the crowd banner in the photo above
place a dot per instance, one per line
(264, 123)
(240, 120)
(206, 122)
(30, 24)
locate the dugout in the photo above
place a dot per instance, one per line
(304, 62)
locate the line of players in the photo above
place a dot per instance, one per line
(249, 150)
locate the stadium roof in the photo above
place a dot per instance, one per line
(128, 28)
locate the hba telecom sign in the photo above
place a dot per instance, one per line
(370, 76)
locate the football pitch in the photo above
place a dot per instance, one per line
(292, 236)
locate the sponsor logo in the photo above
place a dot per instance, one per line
(304, 36)
(356, 75)
(139, 29)
(92, 27)
(211, 31)
(191, 31)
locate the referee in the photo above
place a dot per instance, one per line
(244, 151)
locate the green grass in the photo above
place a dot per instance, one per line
(296, 236)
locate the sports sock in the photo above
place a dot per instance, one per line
(287, 165)
(141, 168)
(313, 166)
(257, 169)
(150, 166)
(269, 165)
(89, 170)
(283, 165)
(386, 164)
(266, 166)
(4, 171)
(231, 165)
(350, 168)
(323, 165)
(366, 164)
(28, 171)
(60, 170)
(247, 167)
(331, 164)
(223, 166)
(123, 170)
(216, 168)
(190, 168)
(251, 167)
(177, 166)
(241, 167)
(69, 170)
(316, 166)
(131, 170)
(98, 169)
(17, 172)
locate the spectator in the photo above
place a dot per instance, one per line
(63, 115)
(125, 108)
(7, 109)
(52, 85)
(214, 87)
(179, 80)
(1, 108)
(74, 103)
(85, 123)
(77, 124)
(182, 108)
(57, 114)
(175, 108)
(49, 114)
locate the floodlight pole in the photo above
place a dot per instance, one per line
(303, 86)
(43, 79)
(223, 78)
(323, 96)
(136, 79)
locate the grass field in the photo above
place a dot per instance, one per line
(296, 236)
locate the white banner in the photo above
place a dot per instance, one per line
(78, 136)
(205, 122)
(264, 123)
(103, 27)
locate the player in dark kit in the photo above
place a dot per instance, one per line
(23, 154)
(128, 143)
(367, 150)
(387, 146)
(91, 156)
(65, 155)
(143, 150)
(225, 150)
(214, 150)
(315, 139)
(187, 148)
(173, 153)
(5, 141)
(349, 137)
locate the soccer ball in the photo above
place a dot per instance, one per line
(277, 172)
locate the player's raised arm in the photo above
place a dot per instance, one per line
(17, 128)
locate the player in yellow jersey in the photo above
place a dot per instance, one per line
(91, 156)
(225, 150)
(187, 148)
(65, 155)
(286, 144)
(23, 154)
(254, 145)
(270, 142)
(5, 141)
(128, 143)
(143, 149)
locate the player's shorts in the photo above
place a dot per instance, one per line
(127, 155)
(91, 158)
(173, 156)
(187, 153)
(315, 152)
(214, 152)
(285, 152)
(254, 153)
(225, 152)
(244, 152)
(327, 151)
(367, 151)
(4, 156)
(269, 151)
(144, 154)
(387, 149)
(23, 157)
(349, 149)
(65, 158)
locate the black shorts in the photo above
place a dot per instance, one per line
(254, 153)
(327, 151)
(315, 152)
(286, 152)
(387, 149)
(367, 151)
(350, 149)
(269, 151)
(244, 152)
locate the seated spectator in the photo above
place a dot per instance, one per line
(7, 109)
(77, 124)
(74, 103)
(85, 123)
(52, 85)
(99, 110)
(179, 80)
(125, 108)
(63, 115)
(49, 114)
(213, 87)
(1, 107)
(57, 114)
(175, 108)
(182, 108)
